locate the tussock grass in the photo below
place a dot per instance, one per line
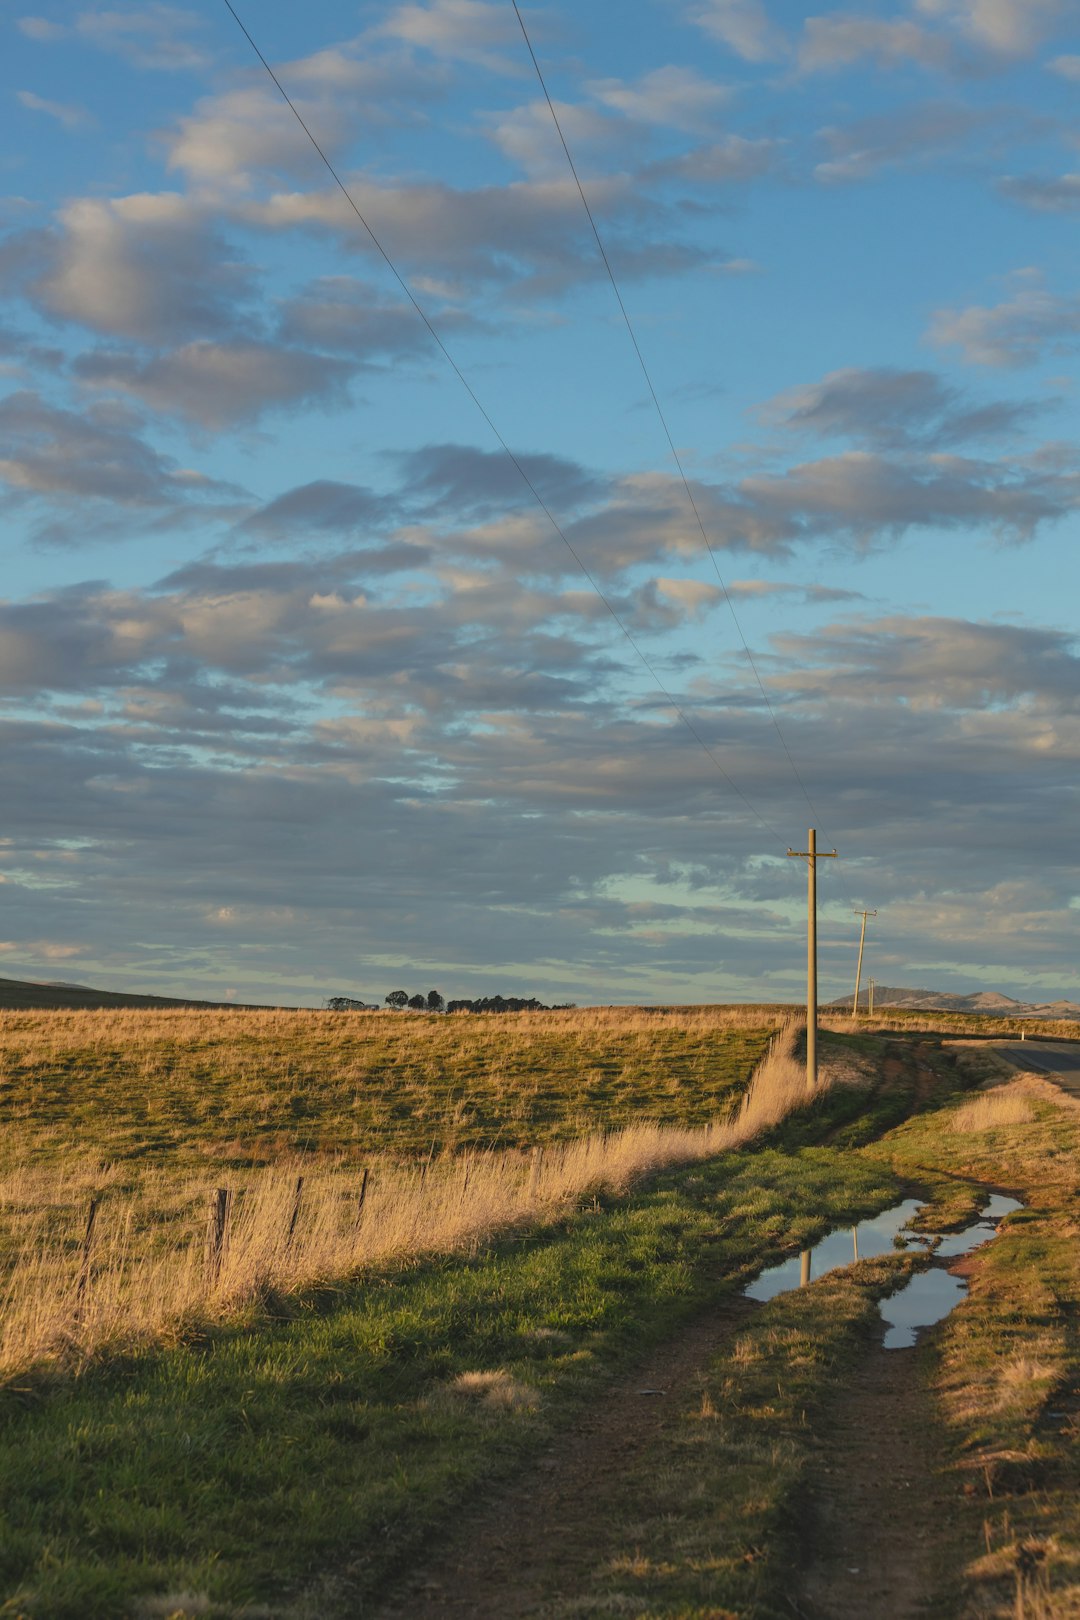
(147, 1273)
(996, 1109)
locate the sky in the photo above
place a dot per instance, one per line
(308, 687)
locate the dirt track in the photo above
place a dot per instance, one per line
(542, 1536)
(875, 1507)
(872, 1522)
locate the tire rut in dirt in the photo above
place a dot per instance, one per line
(877, 1501)
(540, 1538)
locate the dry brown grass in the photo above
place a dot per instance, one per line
(1003, 1106)
(148, 1275)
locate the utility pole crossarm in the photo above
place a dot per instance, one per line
(811, 856)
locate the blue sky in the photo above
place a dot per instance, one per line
(302, 693)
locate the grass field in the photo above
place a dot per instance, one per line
(243, 1088)
(293, 1458)
(121, 1127)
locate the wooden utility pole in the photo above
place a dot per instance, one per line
(870, 1009)
(811, 855)
(858, 970)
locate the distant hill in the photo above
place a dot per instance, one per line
(27, 994)
(990, 1002)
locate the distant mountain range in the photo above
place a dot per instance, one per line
(990, 1002)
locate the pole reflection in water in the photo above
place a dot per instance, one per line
(855, 1240)
(804, 1268)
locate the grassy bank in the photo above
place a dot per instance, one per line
(311, 1455)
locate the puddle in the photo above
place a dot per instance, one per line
(872, 1237)
(931, 1295)
(927, 1298)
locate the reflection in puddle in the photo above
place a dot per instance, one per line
(931, 1295)
(927, 1298)
(869, 1238)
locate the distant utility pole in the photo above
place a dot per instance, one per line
(811, 856)
(870, 1009)
(858, 970)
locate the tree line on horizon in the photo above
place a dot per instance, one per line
(433, 1002)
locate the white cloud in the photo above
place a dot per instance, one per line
(148, 266)
(528, 137)
(216, 384)
(152, 35)
(41, 29)
(1019, 331)
(1011, 28)
(744, 26)
(673, 97)
(912, 135)
(234, 136)
(69, 115)
(840, 40)
(468, 30)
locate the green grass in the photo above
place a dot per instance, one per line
(259, 1461)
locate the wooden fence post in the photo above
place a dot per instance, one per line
(361, 1199)
(295, 1211)
(217, 1232)
(87, 1249)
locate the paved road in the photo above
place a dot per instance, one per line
(1058, 1059)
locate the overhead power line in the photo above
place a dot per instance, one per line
(659, 408)
(514, 459)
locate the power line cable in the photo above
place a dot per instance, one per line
(460, 375)
(659, 408)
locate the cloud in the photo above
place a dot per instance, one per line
(672, 97)
(1019, 331)
(147, 36)
(218, 384)
(870, 498)
(68, 115)
(734, 159)
(965, 37)
(1011, 28)
(238, 135)
(896, 409)
(344, 315)
(465, 30)
(530, 237)
(528, 137)
(840, 40)
(92, 466)
(40, 29)
(940, 663)
(912, 135)
(744, 26)
(151, 267)
(453, 479)
(322, 507)
(1057, 195)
